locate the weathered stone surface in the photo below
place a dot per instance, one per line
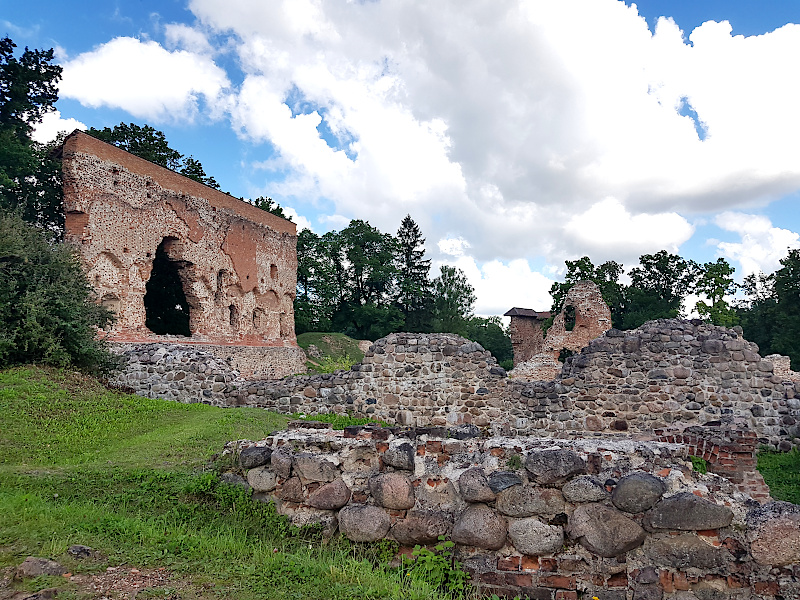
(687, 512)
(234, 479)
(584, 488)
(261, 479)
(481, 527)
(311, 467)
(474, 487)
(363, 523)
(330, 496)
(421, 527)
(774, 533)
(638, 492)
(292, 490)
(648, 592)
(553, 466)
(400, 456)
(80, 551)
(281, 462)
(254, 456)
(392, 490)
(34, 566)
(501, 480)
(604, 531)
(305, 515)
(529, 500)
(531, 536)
(684, 551)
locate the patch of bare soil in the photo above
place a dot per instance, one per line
(116, 583)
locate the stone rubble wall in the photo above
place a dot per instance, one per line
(534, 517)
(783, 367)
(667, 374)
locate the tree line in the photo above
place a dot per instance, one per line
(766, 306)
(366, 284)
(357, 281)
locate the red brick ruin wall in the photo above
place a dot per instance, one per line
(527, 339)
(238, 264)
(536, 357)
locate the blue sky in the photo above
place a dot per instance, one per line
(517, 134)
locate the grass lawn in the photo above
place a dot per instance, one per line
(337, 351)
(131, 477)
(781, 471)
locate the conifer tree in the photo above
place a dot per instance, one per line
(413, 286)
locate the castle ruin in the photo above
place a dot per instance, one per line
(177, 260)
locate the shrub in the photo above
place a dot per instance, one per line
(46, 310)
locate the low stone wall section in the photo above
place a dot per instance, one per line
(666, 374)
(534, 517)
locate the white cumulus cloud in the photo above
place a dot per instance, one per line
(52, 124)
(762, 246)
(144, 79)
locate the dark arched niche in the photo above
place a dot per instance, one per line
(167, 311)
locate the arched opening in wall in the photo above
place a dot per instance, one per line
(565, 354)
(166, 308)
(259, 319)
(569, 317)
(273, 271)
(233, 316)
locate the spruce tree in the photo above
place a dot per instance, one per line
(413, 286)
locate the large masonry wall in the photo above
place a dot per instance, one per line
(666, 374)
(537, 518)
(237, 264)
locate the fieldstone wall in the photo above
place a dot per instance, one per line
(666, 374)
(544, 519)
(236, 263)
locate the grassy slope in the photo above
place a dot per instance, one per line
(781, 471)
(335, 347)
(82, 465)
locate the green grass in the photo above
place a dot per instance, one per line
(781, 471)
(130, 477)
(338, 351)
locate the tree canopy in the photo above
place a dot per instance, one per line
(47, 312)
(151, 144)
(30, 180)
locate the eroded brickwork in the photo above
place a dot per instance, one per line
(237, 264)
(525, 330)
(584, 317)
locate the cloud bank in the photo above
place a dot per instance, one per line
(549, 128)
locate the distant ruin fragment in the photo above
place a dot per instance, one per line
(179, 261)
(584, 317)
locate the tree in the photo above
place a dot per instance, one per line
(606, 276)
(786, 332)
(30, 180)
(757, 310)
(715, 281)
(145, 142)
(454, 299)
(658, 287)
(490, 334)
(269, 205)
(151, 144)
(194, 170)
(413, 286)
(47, 313)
